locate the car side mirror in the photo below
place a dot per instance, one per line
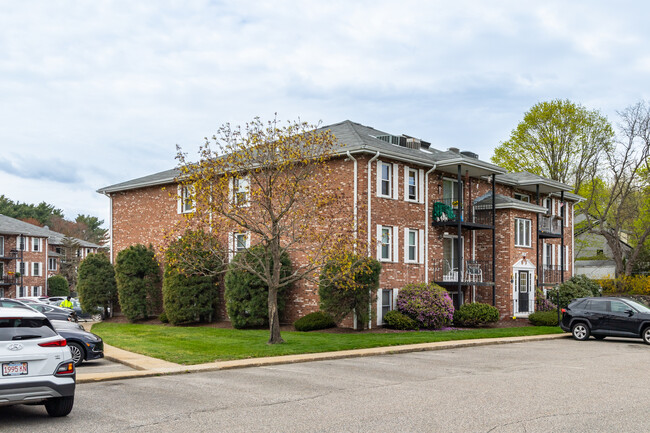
(630, 312)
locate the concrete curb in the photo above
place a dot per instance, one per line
(147, 367)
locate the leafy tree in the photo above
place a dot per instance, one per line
(617, 199)
(560, 140)
(96, 283)
(138, 282)
(348, 286)
(247, 295)
(70, 260)
(264, 181)
(41, 212)
(58, 286)
(91, 229)
(193, 266)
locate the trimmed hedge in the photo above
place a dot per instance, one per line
(138, 282)
(314, 321)
(429, 305)
(189, 299)
(58, 286)
(396, 320)
(247, 297)
(543, 318)
(475, 314)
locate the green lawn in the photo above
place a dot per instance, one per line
(196, 345)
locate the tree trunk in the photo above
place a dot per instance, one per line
(274, 317)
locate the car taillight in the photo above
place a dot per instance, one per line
(563, 310)
(65, 368)
(55, 343)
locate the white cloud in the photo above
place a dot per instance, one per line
(111, 87)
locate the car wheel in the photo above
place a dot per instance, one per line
(580, 331)
(60, 406)
(96, 318)
(77, 353)
(646, 335)
(599, 337)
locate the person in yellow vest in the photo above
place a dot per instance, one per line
(66, 303)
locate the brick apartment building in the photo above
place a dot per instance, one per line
(29, 255)
(493, 237)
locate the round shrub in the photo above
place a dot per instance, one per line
(58, 286)
(347, 285)
(163, 317)
(314, 321)
(587, 283)
(429, 305)
(475, 314)
(396, 320)
(543, 318)
(189, 299)
(569, 291)
(247, 297)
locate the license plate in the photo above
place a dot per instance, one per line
(14, 368)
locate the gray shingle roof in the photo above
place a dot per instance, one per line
(505, 202)
(356, 138)
(13, 226)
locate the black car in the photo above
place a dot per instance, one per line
(606, 317)
(84, 345)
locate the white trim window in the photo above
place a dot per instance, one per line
(413, 246)
(386, 299)
(2, 246)
(384, 179)
(522, 232)
(411, 185)
(37, 269)
(241, 190)
(387, 243)
(36, 244)
(37, 291)
(186, 202)
(51, 264)
(23, 268)
(241, 242)
(522, 197)
(21, 241)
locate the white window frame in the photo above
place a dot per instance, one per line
(51, 260)
(393, 243)
(520, 196)
(21, 245)
(241, 191)
(381, 181)
(37, 244)
(186, 202)
(23, 268)
(37, 269)
(37, 291)
(236, 242)
(419, 246)
(418, 184)
(2, 246)
(525, 240)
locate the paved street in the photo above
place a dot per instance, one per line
(545, 386)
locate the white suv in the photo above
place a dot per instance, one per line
(35, 362)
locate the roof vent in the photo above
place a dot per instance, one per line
(412, 143)
(454, 149)
(469, 154)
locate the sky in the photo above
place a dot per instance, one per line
(94, 93)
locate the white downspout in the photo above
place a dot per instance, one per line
(110, 226)
(426, 223)
(374, 158)
(356, 229)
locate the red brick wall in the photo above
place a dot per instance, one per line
(143, 216)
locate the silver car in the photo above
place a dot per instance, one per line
(36, 364)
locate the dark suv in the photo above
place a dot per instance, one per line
(606, 317)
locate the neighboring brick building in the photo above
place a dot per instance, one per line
(494, 237)
(29, 255)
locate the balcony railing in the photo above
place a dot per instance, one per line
(551, 274)
(447, 210)
(550, 224)
(472, 271)
(7, 280)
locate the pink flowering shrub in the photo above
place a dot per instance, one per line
(429, 305)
